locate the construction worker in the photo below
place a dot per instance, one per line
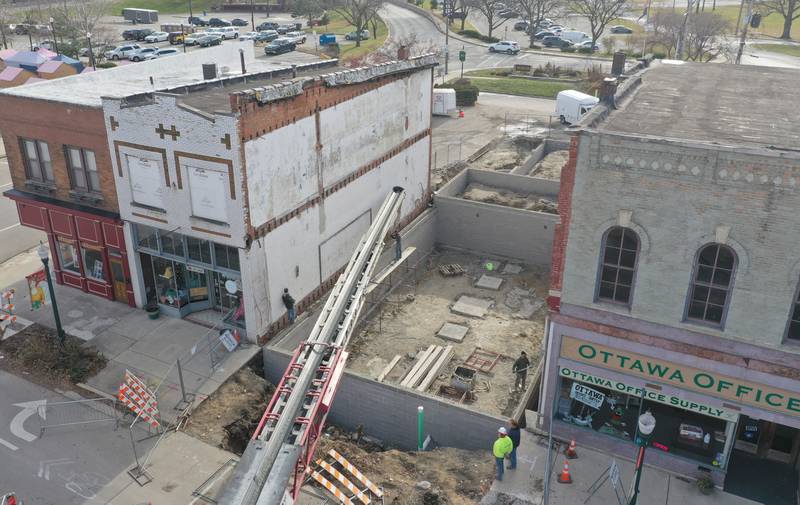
(514, 435)
(502, 449)
(288, 301)
(398, 245)
(520, 368)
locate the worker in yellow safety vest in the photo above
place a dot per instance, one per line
(502, 449)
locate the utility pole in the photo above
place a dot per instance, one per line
(253, 14)
(447, 7)
(744, 32)
(682, 33)
(739, 19)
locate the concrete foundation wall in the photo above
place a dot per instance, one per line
(538, 154)
(389, 413)
(518, 183)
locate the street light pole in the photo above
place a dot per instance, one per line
(647, 423)
(91, 51)
(53, 32)
(253, 14)
(744, 32)
(44, 256)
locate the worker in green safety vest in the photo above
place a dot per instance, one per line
(502, 449)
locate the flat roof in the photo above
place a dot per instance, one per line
(728, 104)
(87, 89)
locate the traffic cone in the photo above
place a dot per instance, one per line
(570, 452)
(565, 477)
(460, 113)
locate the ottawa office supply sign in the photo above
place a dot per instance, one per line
(586, 395)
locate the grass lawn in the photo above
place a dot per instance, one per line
(780, 48)
(771, 25)
(341, 28)
(522, 87)
(164, 6)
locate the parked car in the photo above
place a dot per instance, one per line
(521, 26)
(176, 38)
(587, 44)
(574, 36)
(196, 21)
(499, 6)
(266, 36)
(218, 22)
(248, 36)
(556, 28)
(162, 53)
(504, 46)
(544, 33)
(136, 33)
(621, 29)
(46, 44)
(555, 42)
(141, 54)
(280, 46)
(190, 39)
(508, 14)
(121, 52)
(209, 39)
(297, 37)
(228, 32)
(290, 27)
(157, 37)
(267, 25)
(238, 22)
(355, 35)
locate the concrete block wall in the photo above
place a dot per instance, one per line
(542, 150)
(501, 180)
(389, 413)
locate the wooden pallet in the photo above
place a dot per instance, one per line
(451, 270)
(481, 360)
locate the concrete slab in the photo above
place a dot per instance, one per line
(136, 325)
(511, 269)
(489, 282)
(528, 308)
(454, 332)
(111, 343)
(471, 306)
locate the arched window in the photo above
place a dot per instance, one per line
(618, 265)
(711, 284)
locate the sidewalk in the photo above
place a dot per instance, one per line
(132, 341)
(525, 485)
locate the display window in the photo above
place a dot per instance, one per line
(601, 406)
(170, 282)
(68, 257)
(93, 264)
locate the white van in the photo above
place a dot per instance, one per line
(228, 32)
(571, 105)
(574, 36)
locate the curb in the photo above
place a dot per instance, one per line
(433, 19)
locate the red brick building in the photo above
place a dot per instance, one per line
(63, 185)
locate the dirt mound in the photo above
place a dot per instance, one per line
(487, 194)
(228, 417)
(456, 476)
(550, 166)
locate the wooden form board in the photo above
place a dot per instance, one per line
(389, 368)
(444, 358)
(417, 364)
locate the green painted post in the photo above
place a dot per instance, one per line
(420, 427)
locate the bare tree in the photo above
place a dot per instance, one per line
(534, 12)
(666, 27)
(356, 12)
(702, 32)
(5, 18)
(489, 9)
(598, 12)
(461, 9)
(788, 9)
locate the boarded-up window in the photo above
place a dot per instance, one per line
(147, 181)
(209, 190)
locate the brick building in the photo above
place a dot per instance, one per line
(265, 182)
(675, 277)
(55, 138)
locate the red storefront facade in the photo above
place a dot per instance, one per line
(87, 246)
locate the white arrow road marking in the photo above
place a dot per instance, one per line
(17, 424)
(8, 444)
(44, 466)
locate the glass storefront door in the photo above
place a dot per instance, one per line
(199, 296)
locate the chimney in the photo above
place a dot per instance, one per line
(607, 90)
(209, 71)
(402, 52)
(241, 59)
(618, 64)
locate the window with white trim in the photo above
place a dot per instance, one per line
(38, 166)
(83, 169)
(711, 284)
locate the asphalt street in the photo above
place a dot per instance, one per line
(66, 466)
(14, 238)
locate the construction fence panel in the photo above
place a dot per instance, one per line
(78, 412)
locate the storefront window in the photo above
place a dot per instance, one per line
(199, 250)
(171, 243)
(68, 257)
(93, 264)
(605, 410)
(170, 280)
(226, 257)
(147, 237)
